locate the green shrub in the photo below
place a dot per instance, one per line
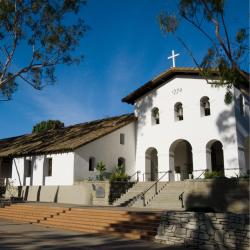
(101, 168)
(119, 174)
(213, 174)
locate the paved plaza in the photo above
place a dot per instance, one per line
(18, 235)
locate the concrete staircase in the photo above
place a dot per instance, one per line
(132, 197)
(112, 221)
(167, 197)
(29, 213)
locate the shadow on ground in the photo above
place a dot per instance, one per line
(26, 236)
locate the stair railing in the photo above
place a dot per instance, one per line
(203, 172)
(137, 173)
(155, 186)
(181, 199)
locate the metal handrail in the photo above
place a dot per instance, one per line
(203, 172)
(181, 199)
(142, 195)
(137, 173)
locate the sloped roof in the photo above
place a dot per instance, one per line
(62, 140)
(162, 78)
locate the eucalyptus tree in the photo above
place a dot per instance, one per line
(35, 37)
(229, 49)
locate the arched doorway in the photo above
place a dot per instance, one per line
(180, 160)
(151, 164)
(215, 158)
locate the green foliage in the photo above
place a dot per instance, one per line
(101, 168)
(119, 174)
(213, 174)
(51, 29)
(226, 53)
(47, 125)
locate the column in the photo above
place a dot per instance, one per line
(163, 166)
(200, 163)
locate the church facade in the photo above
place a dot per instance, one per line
(180, 128)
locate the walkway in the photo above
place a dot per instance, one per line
(26, 236)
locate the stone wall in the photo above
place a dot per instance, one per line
(218, 195)
(205, 230)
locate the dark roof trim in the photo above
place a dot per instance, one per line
(162, 78)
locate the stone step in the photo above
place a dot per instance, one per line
(99, 228)
(129, 224)
(104, 223)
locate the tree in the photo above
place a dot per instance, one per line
(226, 52)
(49, 30)
(47, 125)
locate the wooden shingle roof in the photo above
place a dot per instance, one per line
(62, 140)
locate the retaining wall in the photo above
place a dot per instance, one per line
(205, 230)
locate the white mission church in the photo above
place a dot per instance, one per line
(180, 125)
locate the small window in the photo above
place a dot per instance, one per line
(121, 162)
(122, 139)
(155, 115)
(205, 106)
(178, 111)
(49, 167)
(91, 163)
(28, 168)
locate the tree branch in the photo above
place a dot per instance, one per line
(217, 33)
(226, 33)
(202, 31)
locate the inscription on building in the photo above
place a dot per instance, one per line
(176, 91)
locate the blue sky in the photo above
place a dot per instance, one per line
(124, 49)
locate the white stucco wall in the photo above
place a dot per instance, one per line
(62, 170)
(242, 126)
(197, 130)
(107, 149)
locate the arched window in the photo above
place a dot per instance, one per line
(91, 163)
(155, 115)
(121, 162)
(178, 111)
(205, 106)
(242, 104)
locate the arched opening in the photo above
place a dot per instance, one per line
(215, 158)
(205, 106)
(155, 116)
(151, 165)
(121, 162)
(91, 163)
(178, 111)
(180, 160)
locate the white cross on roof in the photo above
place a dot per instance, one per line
(173, 57)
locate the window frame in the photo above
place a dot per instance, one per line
(122, 139)
(91, 164)
(123, 162)
(28, 166)
(177, 106)
(154, 119)
(49, 163)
